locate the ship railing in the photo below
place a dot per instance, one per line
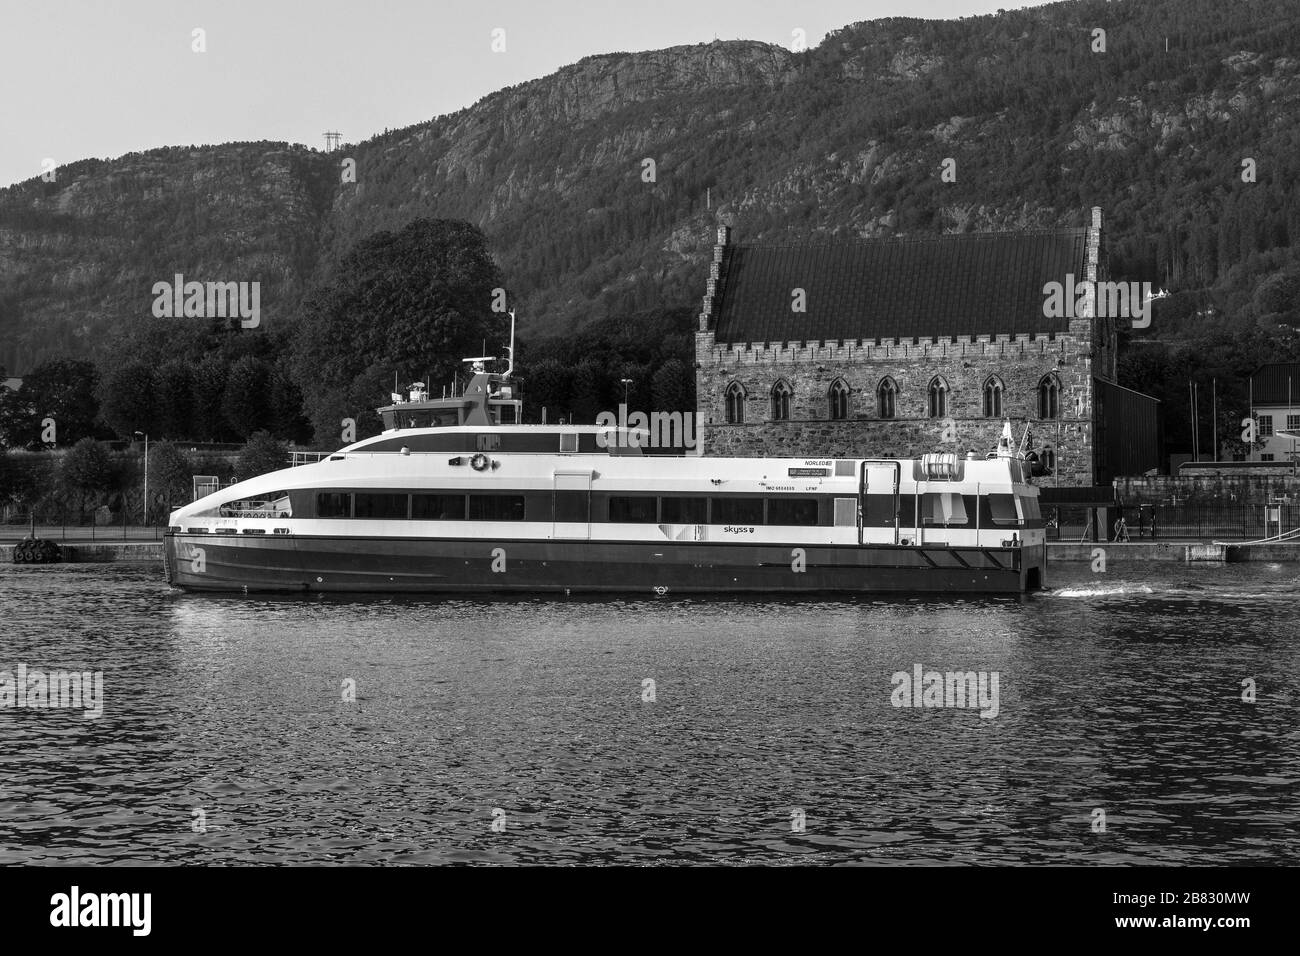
(307, 457)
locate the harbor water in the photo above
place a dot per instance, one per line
(1136, 717)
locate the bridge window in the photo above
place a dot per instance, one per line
(944, 508)
(1002, 509)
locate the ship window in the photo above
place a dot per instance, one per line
(737, 510)
(572, 505)
(487, 442)
(797, 512)
(333, 504)
(496, 507)
(568, 442)
(684, 510)
(1029, 505)
(1002, 509)
(943, 509)
(438, 507)
(371, 505)
(633, 510)
(274, 505)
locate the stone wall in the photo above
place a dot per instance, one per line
(1206, 489)
(965, 364)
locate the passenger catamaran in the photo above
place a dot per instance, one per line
(456, 495)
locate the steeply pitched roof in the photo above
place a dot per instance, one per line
(1269, 384)
(968, 284)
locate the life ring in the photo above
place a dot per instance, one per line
(479, 462)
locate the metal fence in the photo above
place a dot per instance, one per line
(1200, 522)
(73, 527)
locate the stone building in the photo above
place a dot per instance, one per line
(898, 347)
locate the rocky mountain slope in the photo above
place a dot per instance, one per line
(599, 186)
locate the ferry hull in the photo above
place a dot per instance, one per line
(296, 563)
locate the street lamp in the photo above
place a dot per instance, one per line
(626, 382)
(146, 476)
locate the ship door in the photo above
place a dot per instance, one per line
(878, 503)
(571, 505)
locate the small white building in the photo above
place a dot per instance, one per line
(1275, 406)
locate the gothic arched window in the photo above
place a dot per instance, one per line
(886, 395)
(838, 396)
(735, 401)
(938, 398)
(1049, 397)
(781, 401)
(992, 397)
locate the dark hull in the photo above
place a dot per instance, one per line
(423, 565)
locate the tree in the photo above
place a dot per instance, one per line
(591, 386)
(286, 417)
(128, 399)
(1279, 294)
(406, 302)
(174, 390)
(86, 472)
(208, 422)
(246, 401)
(260, 455)
(25, 478)
(61, 390)
(546, 385)
(170, 475)
(673, 387)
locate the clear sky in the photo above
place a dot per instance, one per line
(99, 78)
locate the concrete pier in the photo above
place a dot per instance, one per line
(1136, 553)
(149, 552)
